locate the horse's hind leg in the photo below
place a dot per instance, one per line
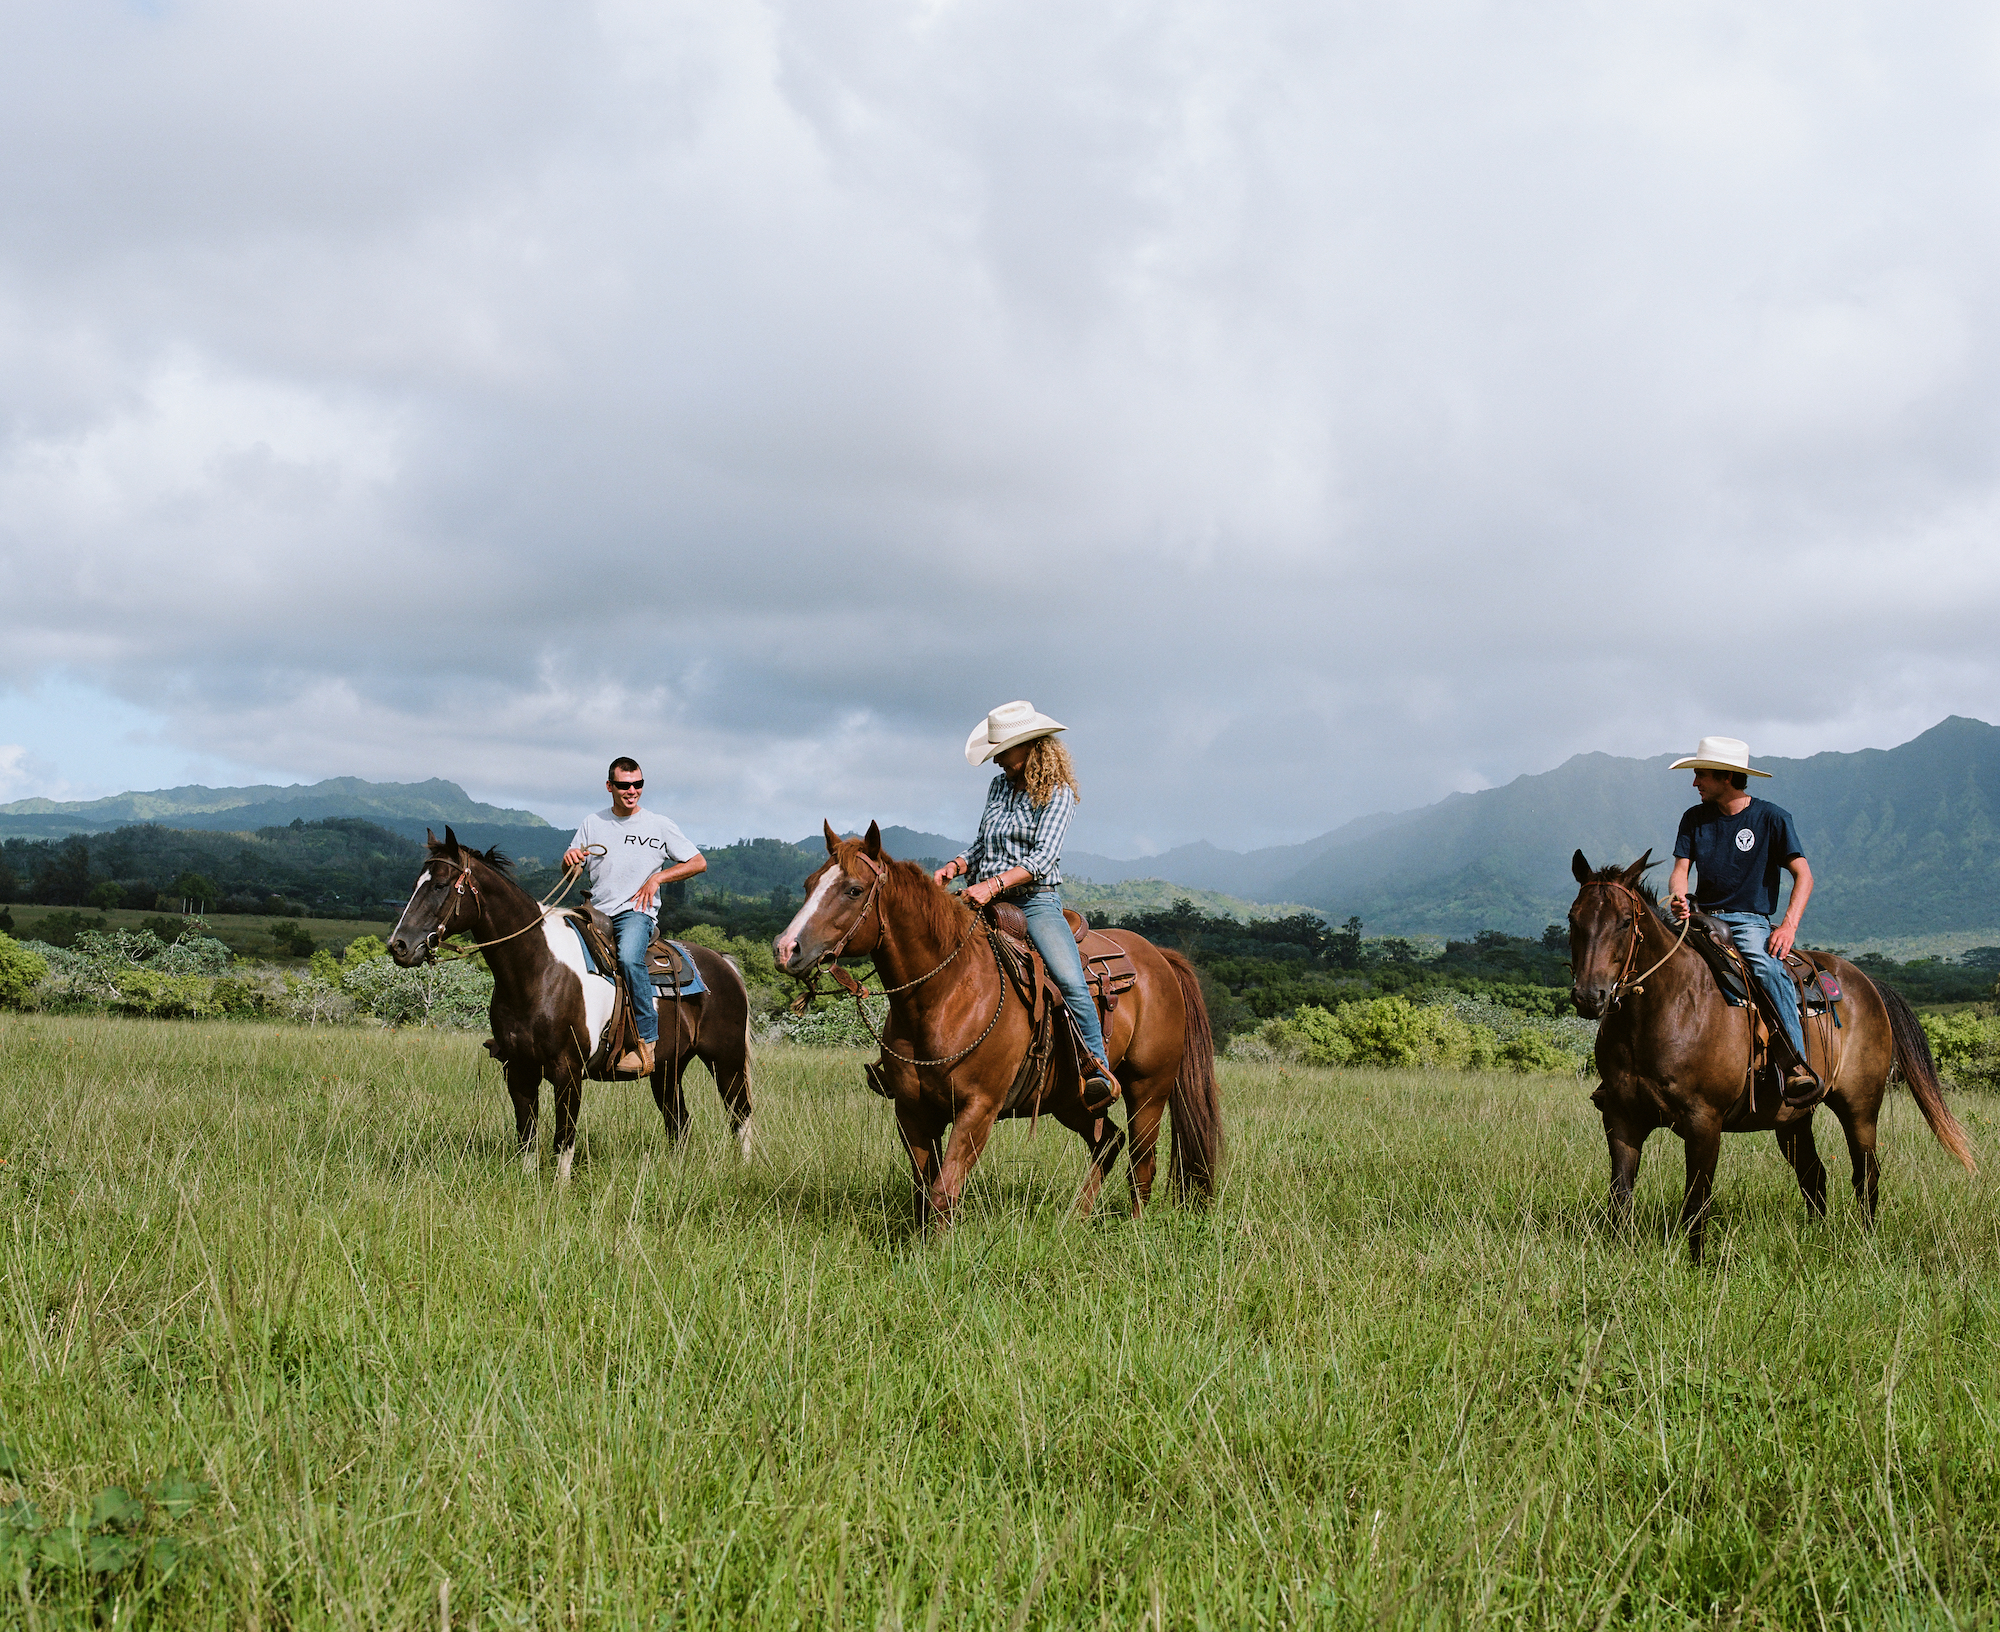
(1859, 1126)
(1105, 1139)
(1795, 1141)
(1148, 1099)
(524, 1088)
(667, 1094)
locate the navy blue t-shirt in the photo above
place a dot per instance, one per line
(1737, 858)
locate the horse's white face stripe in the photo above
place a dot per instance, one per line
(830, 881)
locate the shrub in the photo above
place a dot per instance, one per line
(60, 929)
(1534, 1051)
(1384, 1031)
(454, 995)
(21, 971)
(1966, 1048)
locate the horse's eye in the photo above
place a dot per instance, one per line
(853, 890)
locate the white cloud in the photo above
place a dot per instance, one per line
(1321, 407)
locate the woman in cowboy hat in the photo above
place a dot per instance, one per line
(1737, 846)
(1018, 853)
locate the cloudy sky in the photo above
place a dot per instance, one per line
(1321, 407)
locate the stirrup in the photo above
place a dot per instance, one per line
(639, 1063)
(1803, 1088)
(1100, 1089)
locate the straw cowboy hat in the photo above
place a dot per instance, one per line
(1006, 725)
(1718, 754)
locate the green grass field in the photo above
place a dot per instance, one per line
(1399, 1374)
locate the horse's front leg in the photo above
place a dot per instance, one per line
(970, 1129)
(923, 1143)
(524, 1087)
(568, 1094)
(1703, 1143)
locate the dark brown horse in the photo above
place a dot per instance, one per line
(1673, 1053)
(548, 1011)
(957, 1032)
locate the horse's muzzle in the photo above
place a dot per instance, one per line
(1591, 1000)
(408, 952)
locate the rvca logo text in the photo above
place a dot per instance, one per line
(634, 838)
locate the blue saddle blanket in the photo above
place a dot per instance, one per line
(691, 984)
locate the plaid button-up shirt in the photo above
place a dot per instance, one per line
(1014, 833)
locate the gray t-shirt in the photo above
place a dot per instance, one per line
(635, 847)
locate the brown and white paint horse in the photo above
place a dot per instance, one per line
(957, 1032)
(548, 1011)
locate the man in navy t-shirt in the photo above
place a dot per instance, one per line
(1737, 846)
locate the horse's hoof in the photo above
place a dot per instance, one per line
(743, 1138)
(563, 1165)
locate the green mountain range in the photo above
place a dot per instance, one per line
(1903, 841)
(399, 806)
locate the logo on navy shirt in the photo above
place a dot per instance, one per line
(1746, 839)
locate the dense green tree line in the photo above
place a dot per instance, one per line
(343, 867)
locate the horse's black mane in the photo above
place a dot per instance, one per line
(1615, 874)
(493, 858)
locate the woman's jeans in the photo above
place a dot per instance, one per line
(1750, 930)
(1049, 930)
(635, 934)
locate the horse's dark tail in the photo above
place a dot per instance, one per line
(1196, 1163)
(1913, 1059)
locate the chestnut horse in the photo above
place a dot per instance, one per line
(1674, 1054)
(958, 1030)
(543, 1024)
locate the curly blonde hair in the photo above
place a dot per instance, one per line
(1047, 769)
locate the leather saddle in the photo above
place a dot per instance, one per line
(671, 969)
(1811, 972)
(1107, 970)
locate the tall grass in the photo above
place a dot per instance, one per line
(1399, 1374)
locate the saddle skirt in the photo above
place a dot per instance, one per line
(1108, 971)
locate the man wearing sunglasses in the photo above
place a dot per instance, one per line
(641, 851)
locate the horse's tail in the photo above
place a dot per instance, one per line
(1913, 1059)
(1196, 1163)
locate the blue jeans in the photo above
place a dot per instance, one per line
(1049, 930)
(1750, 930)
(635, 933)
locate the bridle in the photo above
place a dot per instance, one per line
(466, 884)
(829, 961)
(1623, 983)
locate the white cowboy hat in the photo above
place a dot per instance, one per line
(1006, 725)
(1718, 754)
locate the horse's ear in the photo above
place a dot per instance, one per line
(1580, 867)
(872, 843)
(832, 840)
(1637, 870)
(450, 841)
(430, 838)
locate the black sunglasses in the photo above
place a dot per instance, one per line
(622, 786)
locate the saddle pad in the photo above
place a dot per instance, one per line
(683, 974)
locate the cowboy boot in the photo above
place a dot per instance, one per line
(640, 1061)
(1100, 1087)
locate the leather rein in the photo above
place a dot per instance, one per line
(464, 884)
(829, 961)
(1640, 912)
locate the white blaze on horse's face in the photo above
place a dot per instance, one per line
(787, 945)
